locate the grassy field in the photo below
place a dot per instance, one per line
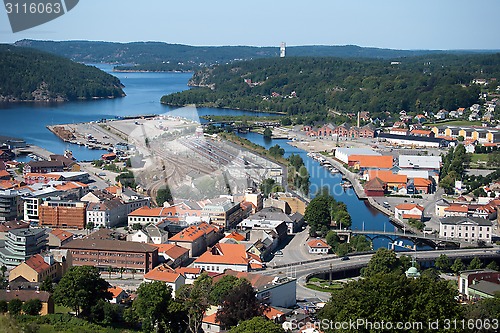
(455, 123)
(478, 159)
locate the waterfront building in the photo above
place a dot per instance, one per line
(469, 229)
(409, 211)
(342, 154)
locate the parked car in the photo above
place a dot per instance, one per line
(344, 258)
(279, 253)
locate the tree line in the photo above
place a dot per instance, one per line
(27, 73)
(311, 87)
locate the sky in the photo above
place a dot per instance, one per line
(395, 24)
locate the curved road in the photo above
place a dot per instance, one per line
(301, 271)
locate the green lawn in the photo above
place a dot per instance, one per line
(455, 123)
(61, 309)
(476, 158)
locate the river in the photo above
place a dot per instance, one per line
(29, 120)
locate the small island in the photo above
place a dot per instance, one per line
(28, 75)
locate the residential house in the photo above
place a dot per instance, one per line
(409, 211)
(36, 269)
(224, 256)
(171, 254)
(399, 131)
(480, 133)
(26, 295)
(118, 295)
(210, 324)
(59, 237)
(440, 207)
(469, 229)
(43, 167)
(168, 275)
(149, 234)
(197, 238)
(318, 246)
(21, 244)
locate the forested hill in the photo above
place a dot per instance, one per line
(313, 86)
(31, 75)
(157, 56)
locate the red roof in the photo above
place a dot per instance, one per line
(37, 263)
(387, 176)
(236, 236)
(421, 182)
(412, 216)
(318, 243)
(4, 173)
(192, 233)
(211, 319)
(457, 208)
(372, 161)
(62, 234)
(409, 206)
(224, 253)
(162, 273)
(115, 291)
(272, 313)
(171, 250)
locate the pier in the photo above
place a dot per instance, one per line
(40, 152)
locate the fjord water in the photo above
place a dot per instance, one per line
(144, 90)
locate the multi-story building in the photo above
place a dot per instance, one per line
(146, 215)
(117, 254)
(270, 218)
(223, 212)
(479, 133)
(196, 238)
(5, 227)
(63, 214)
(224, 256)
(469, 229)
(10, 205)
(107, 214)
(43, 167)
(20, 244)
(477, 284)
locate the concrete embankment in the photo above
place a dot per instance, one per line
(35, 150)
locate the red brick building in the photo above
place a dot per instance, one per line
(105, 253)
(63, 214)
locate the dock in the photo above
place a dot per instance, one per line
(40, 152)
(350, 176)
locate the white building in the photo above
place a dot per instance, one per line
(317, 246)
(430, 163)
(224, 256)
(342, 154)
(107, 214)
(149, 234)
(469, 229)
(167, 275)
(408, 211)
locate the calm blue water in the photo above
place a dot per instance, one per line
(144, 90)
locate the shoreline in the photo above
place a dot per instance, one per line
(358, 189)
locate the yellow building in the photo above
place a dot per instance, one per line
(26, 295)
(36, 269)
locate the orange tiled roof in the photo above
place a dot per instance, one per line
(409, 206)
(272, 313)
(37, 263)
(151, 212)
(211, 319)
(371, 161)
(192, 233)
(387, 176)
(421, 182)
(162, 273)
(70, 186)
(318, 243)
(421, 132)
(62, 234)
(188, 270)
(412, 216)
(171, 250)
(236, 236)
(4, 173)
(224, 253)
(112, 189)
(115, 291)
(457, 208)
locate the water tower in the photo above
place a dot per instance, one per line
(282, 49)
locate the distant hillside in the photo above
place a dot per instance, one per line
(31, 75)
(318, 89)
(156, 56)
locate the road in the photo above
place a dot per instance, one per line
(301, 271)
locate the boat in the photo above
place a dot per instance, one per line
(346, 184)
(334, 170)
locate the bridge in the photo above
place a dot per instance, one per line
(433, 241)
